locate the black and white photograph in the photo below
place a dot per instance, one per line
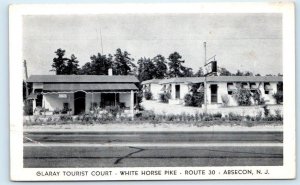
(140, 92)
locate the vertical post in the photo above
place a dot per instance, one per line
(26, 78)
(132, 104)
(33, 105)
(205, 84)
(115, 99)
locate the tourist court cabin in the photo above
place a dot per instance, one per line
(80, 93)
(217, 86)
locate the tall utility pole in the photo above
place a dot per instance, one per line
(205, 85)
(26, 77)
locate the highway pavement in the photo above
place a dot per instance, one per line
(152, 149)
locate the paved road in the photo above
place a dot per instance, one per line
(115, 149)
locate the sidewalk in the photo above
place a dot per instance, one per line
(148, 128)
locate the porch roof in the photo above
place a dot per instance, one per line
(82, 79)
(89, 87)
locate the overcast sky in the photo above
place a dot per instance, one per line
(249, 42)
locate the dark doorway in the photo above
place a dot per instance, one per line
(79, 102)
(177, 90)
(214, 93)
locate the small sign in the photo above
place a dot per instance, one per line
(210, 68)
(62, 95)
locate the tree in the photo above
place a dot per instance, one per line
(248, 73)
(239, 73)
(123, 64)
(187, 71)
(86, 69)
(146, 69)
(100, 64)
(257, 74)
(175, 65)
(199, 73)
(59, 63)
(224, 72)
(72, 66)
(160, 66)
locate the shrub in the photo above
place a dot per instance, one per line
(148, 95)
(225, 99)
(278, 97)
(257, 98)
(234, 117)
(146, 115)
(65, 118)
(266, 111)
(27, 108)
(164, 97)
(188, 100)
(278, 115)
(196, 99)
(114, 110)
(243, 97)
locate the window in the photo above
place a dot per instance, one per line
(230, 88)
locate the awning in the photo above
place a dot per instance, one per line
(89, 87)
(32, 97)
(231, 87)
(268, 87)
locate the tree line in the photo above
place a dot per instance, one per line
(122, 63)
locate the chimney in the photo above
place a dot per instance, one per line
(110, 72)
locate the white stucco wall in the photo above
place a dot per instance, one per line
(52, 101)
(155, 90)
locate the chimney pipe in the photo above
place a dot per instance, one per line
(110, 72)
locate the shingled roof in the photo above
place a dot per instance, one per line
(82, 79)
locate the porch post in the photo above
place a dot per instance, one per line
(33, 105)
(132, 103)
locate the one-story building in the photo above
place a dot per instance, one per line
(217, 86)
(80, 93)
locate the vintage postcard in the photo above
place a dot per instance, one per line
(152, 91)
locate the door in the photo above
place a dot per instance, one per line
(177, 91)
(214, 93)
(79, 102)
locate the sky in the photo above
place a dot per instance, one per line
(248, 42)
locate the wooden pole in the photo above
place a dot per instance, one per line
(205, 84)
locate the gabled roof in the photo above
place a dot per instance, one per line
(83, 79)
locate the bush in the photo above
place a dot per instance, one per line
(278, 97)
(27, 108)
(243, 97)
(188, 100)
(195, 100)
(114, 110)
(148, 95)
(278, 115)
(225, 99)
(164, 97)
(234, 117)
(266, 111)
(257, 98)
